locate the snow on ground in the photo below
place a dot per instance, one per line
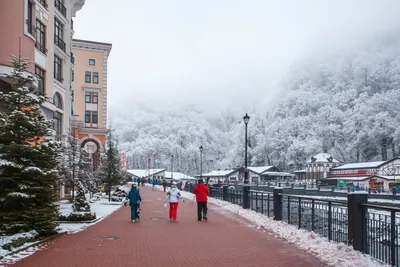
(7, 239)
(102, 209)
(333, 254)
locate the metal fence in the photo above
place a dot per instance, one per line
(381, 234)
(325, 217)
(262, 202)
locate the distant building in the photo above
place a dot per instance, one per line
(319, 166)
(383, 174)
(146, 173)
(89, 88)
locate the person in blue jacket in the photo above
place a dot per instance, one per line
(154, 184)
(133, 197)
(138, 181)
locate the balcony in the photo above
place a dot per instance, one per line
(31, 29)
(60, 43)
(60, 6)
(43, 3)
(41, 48)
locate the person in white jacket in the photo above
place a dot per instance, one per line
(173, 197)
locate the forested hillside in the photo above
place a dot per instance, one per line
(347, 104)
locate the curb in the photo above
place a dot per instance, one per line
(35, 244)
(76, 222)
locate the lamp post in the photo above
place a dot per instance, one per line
(201, 162)
(246, 119)
(172, 168)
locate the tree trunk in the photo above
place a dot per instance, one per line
(384, 148)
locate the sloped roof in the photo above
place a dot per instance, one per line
(322, 157)
(260, 169)
(144, 173)
(218, 173)
(178, 176)
(361, 165)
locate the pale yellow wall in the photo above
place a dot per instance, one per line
(81, 66)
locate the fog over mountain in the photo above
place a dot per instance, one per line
(313, 75)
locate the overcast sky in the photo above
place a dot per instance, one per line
(226, 53)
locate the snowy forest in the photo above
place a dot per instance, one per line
(346, 104)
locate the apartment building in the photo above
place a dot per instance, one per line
(89, 84)
(42, 30)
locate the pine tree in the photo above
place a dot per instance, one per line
(28, 165)
(80, 202)
(111, 169)
(70, 162)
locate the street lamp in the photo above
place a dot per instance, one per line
(246, 119)
(201, 162)
(172, 167)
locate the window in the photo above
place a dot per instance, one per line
(57, 123)
(57, 69)
(40, 75)
(40, 37)
(88, 77)
(87, 97)
(29, 21)
(94, 117)
(95, 97)
(72, 75)
(58, 34)
(57, 101)
(95, 77)
(92, 62)
(87, 116)
(43, 3)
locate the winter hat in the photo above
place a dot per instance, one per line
(174, 183)
(133, 185)
(200, 181)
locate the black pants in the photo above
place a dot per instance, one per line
(201, 208)
(164, 187)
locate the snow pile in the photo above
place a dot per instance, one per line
(333, 254)
(11, 259)
(8, 239)
(102, 210)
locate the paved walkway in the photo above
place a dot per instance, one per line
(224, 240)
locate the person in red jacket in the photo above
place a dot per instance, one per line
(201, 192)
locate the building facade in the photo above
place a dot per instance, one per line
(319, 166)
(89, 90)
(41, 31)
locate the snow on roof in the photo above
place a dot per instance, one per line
(260, 169)
(144, 173)
(361, 178)
(299, 171)
(322, 157)
(218, 173)
(178, 176)
(360, 165)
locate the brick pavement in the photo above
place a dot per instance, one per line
(224, 240)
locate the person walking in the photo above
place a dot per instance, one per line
(154, 182)
(143, 181)
(201, 192)
(164, 184)
(173, 197)
(134, 197)
(138, 181)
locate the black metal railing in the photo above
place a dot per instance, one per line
(60, 7)
(58, 77)
(31, 29)
(381, 235)
(325, 217)
(41, 48)
(235, 196)
(59, 42)
(43, 3)
(216, 192)
(261, 202)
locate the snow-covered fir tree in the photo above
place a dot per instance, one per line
(111, 168)
(28, 164)
(80, 203)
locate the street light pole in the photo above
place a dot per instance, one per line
(246, 119)
(172, 167)
(201, 162)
